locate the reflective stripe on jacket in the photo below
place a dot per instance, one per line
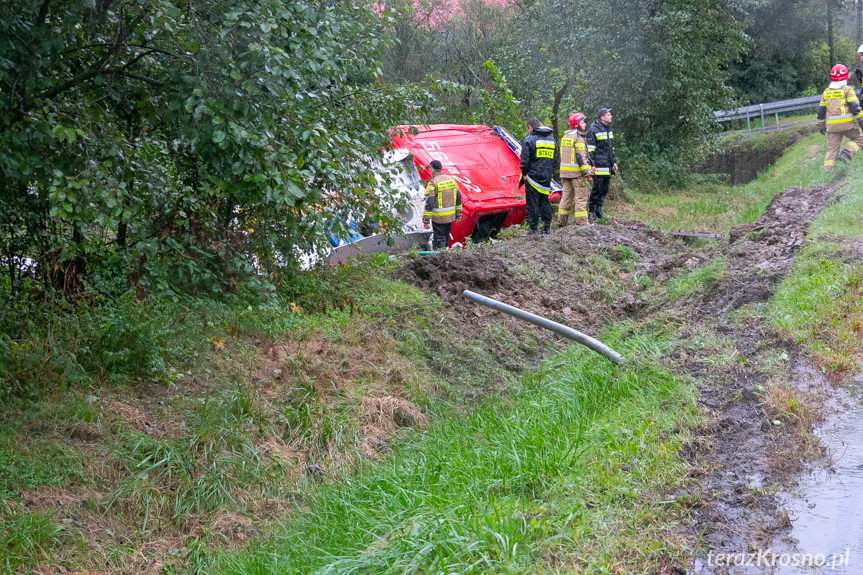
(573, 155)
(600, 147)
(443, 200)
(542, 189)
(539, 157)
(839, 108)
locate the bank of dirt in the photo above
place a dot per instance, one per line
(742, 159)
(558, 276)
(747, 443)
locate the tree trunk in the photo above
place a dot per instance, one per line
(830, 31)
(122, 233)
(558, 96)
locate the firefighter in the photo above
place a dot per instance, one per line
(443, 205)
(575, 172)
(538, 159)
(600, 148)
(839, 116)
(858, 73)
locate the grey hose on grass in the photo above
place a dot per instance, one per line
(557, 328)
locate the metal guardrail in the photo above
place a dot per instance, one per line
(761, 110)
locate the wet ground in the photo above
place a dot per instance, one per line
(825, 506)
(747, 448)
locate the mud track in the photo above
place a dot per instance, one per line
(741, 449)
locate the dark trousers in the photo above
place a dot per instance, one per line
(538, 206)
(597, 196)
(440, 237)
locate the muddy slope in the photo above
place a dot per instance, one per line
(746, 446)
(742, 449)
(759, 254)
(555, 275)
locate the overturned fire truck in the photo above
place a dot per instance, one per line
(483, 160)
(485, 163)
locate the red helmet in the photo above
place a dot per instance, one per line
(577, 117)
(838, 72)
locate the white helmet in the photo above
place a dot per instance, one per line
(860, 49)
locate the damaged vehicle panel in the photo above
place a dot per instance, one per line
(485, 163)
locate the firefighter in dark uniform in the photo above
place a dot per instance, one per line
(600, 147)
(539, 158)
(443, 205)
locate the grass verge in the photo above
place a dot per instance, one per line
(717, 208)
(819, 302)
(561, 473)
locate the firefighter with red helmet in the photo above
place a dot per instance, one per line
(839, 116)
(575, 172)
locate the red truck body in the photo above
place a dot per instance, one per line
(486, 169)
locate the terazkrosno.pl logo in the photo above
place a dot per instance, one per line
(767, 558)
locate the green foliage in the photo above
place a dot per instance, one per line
(661, 71)
(493, 490)
(159, 143)
(507, 112)
(25, 538)
(114, 341)
(770, 70)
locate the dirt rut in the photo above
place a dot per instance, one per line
(742, 449)
(759, 254)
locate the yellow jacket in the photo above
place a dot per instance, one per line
(573, 155)
(443, 200)
(839, 108)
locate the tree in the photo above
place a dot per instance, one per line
(786, 54)
(164, 143)
(660, 65)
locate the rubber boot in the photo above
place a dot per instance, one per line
(844, 156)
(562, 220)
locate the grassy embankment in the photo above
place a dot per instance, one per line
(563, 467)
(165, 431)
(716, 208)
(819, 303)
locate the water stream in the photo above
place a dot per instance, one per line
(826, 506)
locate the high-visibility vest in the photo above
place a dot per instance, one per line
(443, 200)
(840, 108)
(572, 147)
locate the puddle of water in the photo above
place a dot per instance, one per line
(826, 509)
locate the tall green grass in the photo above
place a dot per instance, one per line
(717, 208)
(819, 302)
(26, 538)
(572, 454)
